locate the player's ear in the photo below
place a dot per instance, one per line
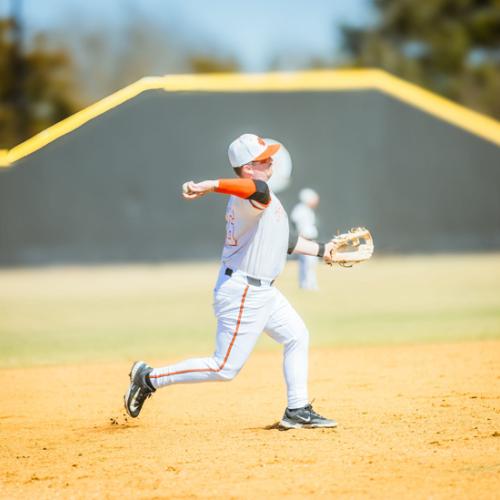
(246, 171)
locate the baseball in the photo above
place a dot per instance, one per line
(185, 188)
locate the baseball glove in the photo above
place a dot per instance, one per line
(352, 247)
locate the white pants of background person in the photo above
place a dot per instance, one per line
(307, 272)
(243, 311)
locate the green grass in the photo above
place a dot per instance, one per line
(64, 315)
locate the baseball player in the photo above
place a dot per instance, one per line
(304, 218)
(246, 302)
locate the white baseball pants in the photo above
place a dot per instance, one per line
(243, 311)
(307, 272)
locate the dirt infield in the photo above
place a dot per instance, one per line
(414, 421)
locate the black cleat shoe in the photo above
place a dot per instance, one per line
(139, 390)
(304, 417)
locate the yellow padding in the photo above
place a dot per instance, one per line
(4, 162)
(321, 80)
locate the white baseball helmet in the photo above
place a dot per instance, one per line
(308, 195)
(250, 147)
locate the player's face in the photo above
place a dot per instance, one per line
(263, 169)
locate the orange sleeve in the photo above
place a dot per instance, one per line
(243, 188)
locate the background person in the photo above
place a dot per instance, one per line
(304, 218)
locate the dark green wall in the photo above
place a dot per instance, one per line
(110, 190)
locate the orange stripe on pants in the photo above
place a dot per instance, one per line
(233, 339)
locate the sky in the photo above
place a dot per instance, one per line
(253, 33)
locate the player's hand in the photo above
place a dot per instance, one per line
(192, 190)
(330, 248)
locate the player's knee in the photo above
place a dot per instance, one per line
(303, 338)
(299, 338)
(227, 374)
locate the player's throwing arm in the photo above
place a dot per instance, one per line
(192, 190)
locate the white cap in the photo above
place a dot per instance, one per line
(250, 147)
(308, 195)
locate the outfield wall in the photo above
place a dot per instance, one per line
(109, 191)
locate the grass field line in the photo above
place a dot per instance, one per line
(86, 313)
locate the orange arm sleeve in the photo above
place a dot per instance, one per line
(243, 188)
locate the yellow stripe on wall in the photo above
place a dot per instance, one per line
(273, 82)
(322, 80)
(442, 108)
(78, 119)
(3, 158)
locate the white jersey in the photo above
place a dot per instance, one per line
(256, 238)
(304, 218)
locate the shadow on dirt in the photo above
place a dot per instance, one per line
(273, 427)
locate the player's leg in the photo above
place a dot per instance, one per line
(310, 279)
(313, 271)
(302, 271)
(241, 312)
(287, 327)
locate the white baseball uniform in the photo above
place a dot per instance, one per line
(304, 218)
(246, 303)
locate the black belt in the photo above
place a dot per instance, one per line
(250, 280)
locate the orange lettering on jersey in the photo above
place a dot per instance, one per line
(230, 239)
